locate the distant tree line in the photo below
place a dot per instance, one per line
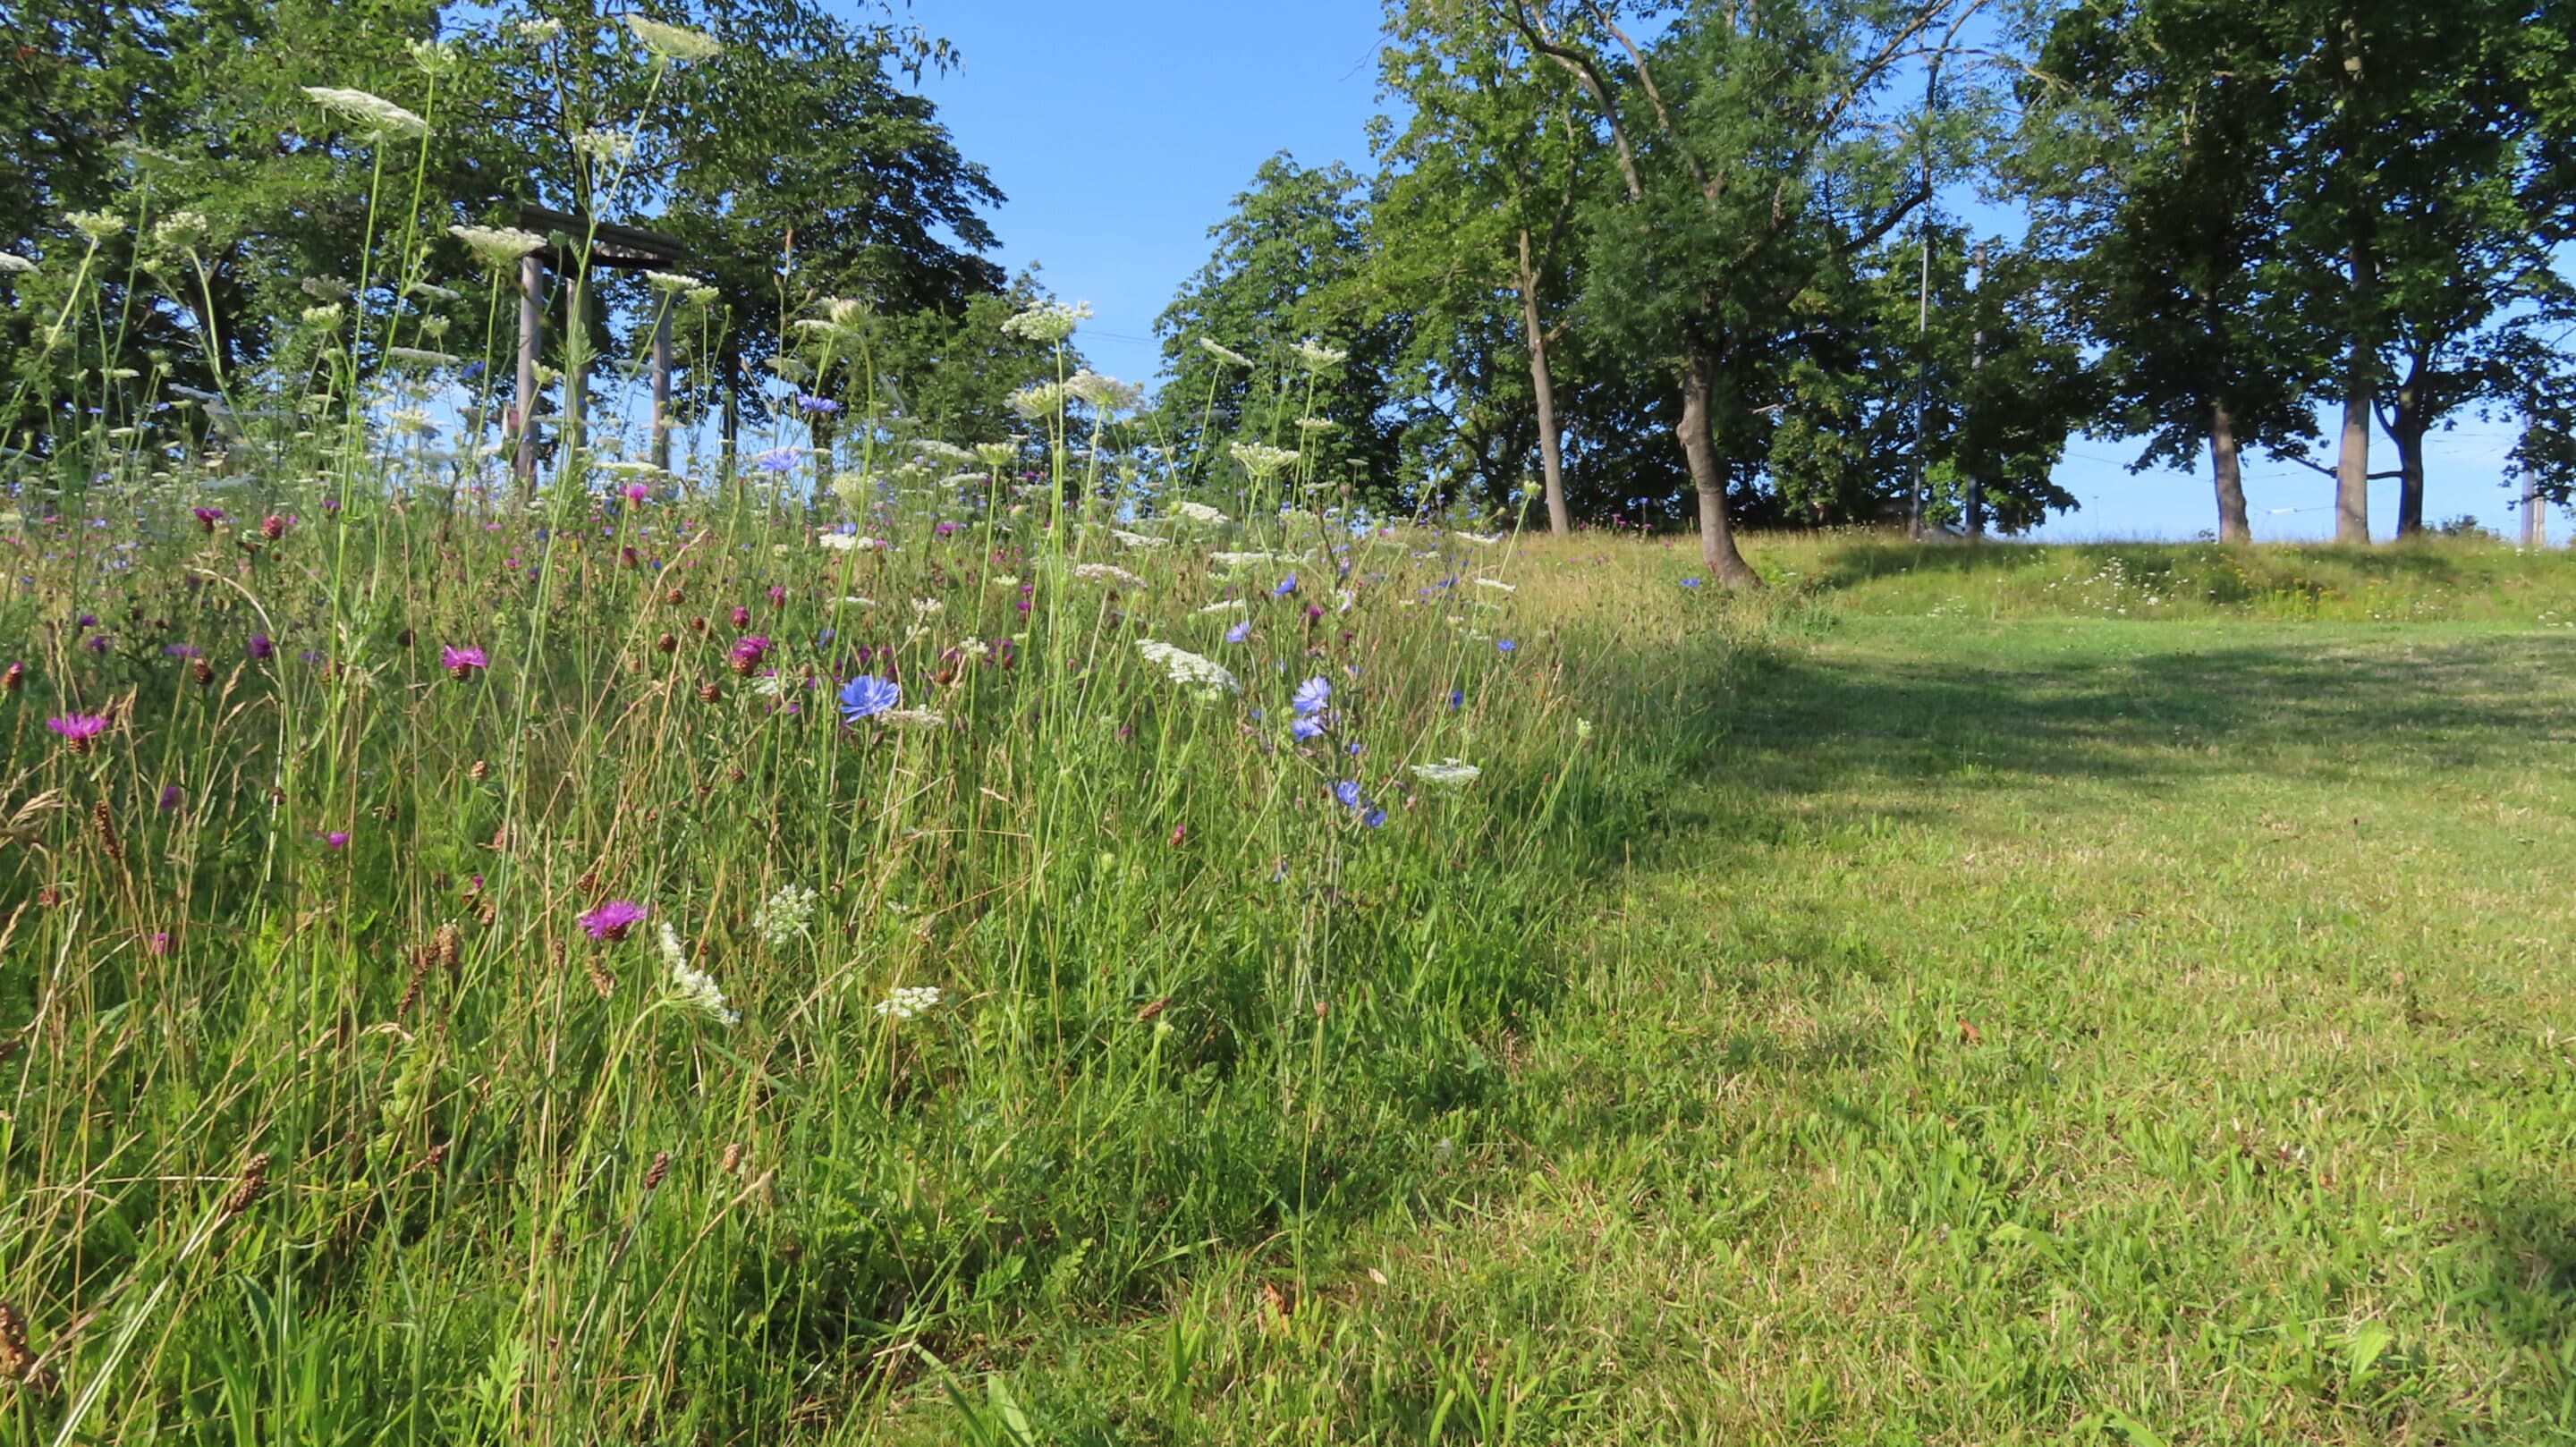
(1685, 258)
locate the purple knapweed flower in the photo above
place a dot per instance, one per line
(462, 663)
(172, 796)
(336, 839)
(636, 493)
(99, 643)
(740, 615)
(210, 517)
(78, 729)
(747, 653)
(612, 920)
(262, 648)
(182, 650)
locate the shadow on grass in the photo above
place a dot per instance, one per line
(2163, 713)
(1853, 564)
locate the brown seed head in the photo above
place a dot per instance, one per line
(272, 527)
(13, 678)
(203, 671)
(661, 1168)
(707, 693)
(667, 643)
(254, 1178)
(103, 823)
(601, 981)
(733, 1158)
(17, 1362)
(698, 624)
(481, 771)
(672, 596)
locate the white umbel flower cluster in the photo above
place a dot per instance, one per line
(1188, 669)
(1139, 540)
(784, 917)
(12, 264)
(1261, 459)
(1317, 356)
(909, 1002)
(1107, 573)
(1223, 353)
(499, 246)
(1447, 774)
(671, 42)
(694, 987)
(1198, 512)
(370, 113)
(1049, 322)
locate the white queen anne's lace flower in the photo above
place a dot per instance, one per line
(909, 1002)
(672, 42)
(1186, 668)
(785, 916)
(1048, 322)
(1139, 540)
(370, 113)
(499, 246)
(1198, 512)
(1107, 573)
(1261, 459)
(1317, 356)
(1224, 353)
(12, 264)
(694, 987)
(1447, 774)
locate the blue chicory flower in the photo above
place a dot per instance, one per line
(868, 695)
(1312, 695)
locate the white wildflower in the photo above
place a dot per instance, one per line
(433, 57)
(1230, 605)
(1048, 322)
(433, 291)
(1188, 669)
(694, 987)
(928, 607)
(669, 281)
(1316, 424)
(1582, 729)
(944, 451)
(1261, 459)
(97, 225)
(909, 1002)
(421, 357)
(324, 317)
(1248, 560)
(12, 264)
(1106, 393)
(411, 421)
(784, 917)
(1447, 774)
(703, 296)
(371, 113)
(1199, 512)
(914, 718)
(602, 143)
(326, 288)
(1498, 585)
(1139, 540)
(1107, 573)
(1317, 356)
(671, 42)
(997, 454)
(499, 246)
(1040, 400)
(539, 29)
(182, 230)
(1482, 540)
(1222, 353)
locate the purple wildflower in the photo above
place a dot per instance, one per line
(78, 729)
(1238, 632)
(1286, 586)
(612, 920)
(868, 695)
(262, 648)
(776, 459)
(462, 663)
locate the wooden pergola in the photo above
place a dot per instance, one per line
(607, 248)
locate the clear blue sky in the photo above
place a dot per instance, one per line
(1121, 131)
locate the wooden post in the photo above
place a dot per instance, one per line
(2535, 513)
(662, 385)
(532, 327)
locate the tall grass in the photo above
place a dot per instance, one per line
(336, 1110)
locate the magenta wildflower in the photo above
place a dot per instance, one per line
(747, 654)
(336, 839)
(157, 942)
(636, 493)
(172, 796)
(78, 729)
(262, 648)
(612, 920)
(462, 663)
(741, 616)
(210, 517)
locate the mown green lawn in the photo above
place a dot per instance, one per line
(2065, 1029)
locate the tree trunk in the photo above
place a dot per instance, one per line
(1551, 454)
(1716, 539)
(2229, 471)
(532, 330)
(2352, 462)
(2407, 428)
(2535, 513)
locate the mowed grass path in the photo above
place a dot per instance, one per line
(2033, 1031)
